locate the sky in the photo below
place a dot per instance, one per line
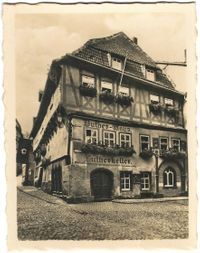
(40, 38)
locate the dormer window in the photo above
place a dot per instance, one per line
(124, 90)
(87, 81)
(150, 74)
(116, 63)
(106, 86)
(155, 99)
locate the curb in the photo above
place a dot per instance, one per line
(137, 201)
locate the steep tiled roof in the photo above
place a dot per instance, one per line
(96, 50)
(122, 45)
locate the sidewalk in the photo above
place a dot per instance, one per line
(148, 200)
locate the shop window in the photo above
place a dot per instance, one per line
(106, 86)
(88, 81)
(169, 177)
(150, 74)
(109, 138)
(163, 143)
(91, 136)
(116, 63)
(175, 144)
(169, 102)
(145, 181)
(125, 181)
(144, 142)
(125, 140)
(124, 90)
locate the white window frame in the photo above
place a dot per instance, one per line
(106, 86)
(123, 90)
(154, 98)
(150, 74)
(108, 138)
(145, 180)
(87, 138)
(160, 142)
(167, 173)
(125, 180)
(179, 143)
(116, 63)
(169, 101)
(125, 141)
(88, 81)
(142, 135)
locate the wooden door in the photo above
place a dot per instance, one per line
(101, 184)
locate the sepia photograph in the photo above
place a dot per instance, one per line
(103, 109)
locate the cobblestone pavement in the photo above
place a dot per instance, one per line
(42, 217)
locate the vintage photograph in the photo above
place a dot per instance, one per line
(102, 126)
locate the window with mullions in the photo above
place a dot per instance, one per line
(125, 140)
(109, 138)
(144, 142)
(145, 181)
(169, 178)
(91, 136)
(125, 181)
(88, 81)
(164, 143)
(175, 143)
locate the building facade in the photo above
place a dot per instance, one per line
(110, 125)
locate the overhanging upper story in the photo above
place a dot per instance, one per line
(110, 78)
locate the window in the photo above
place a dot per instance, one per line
(88, 81)
(176, 144)
(106, 86)
(116, 63)
(169, 101)
(150, 74)
(109, 138)
(125, 181)
(125, 140)
(91, 136)
(124, 90)
(145, 181)
(144, 142)
(163, 143)
(169, 177)
(155, 99)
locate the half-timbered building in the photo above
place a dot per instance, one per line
(110, 125)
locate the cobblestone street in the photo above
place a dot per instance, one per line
(42, 217)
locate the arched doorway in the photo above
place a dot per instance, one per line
(101, 181)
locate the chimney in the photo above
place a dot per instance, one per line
(135, 40)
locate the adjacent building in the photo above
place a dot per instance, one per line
(110, 125)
